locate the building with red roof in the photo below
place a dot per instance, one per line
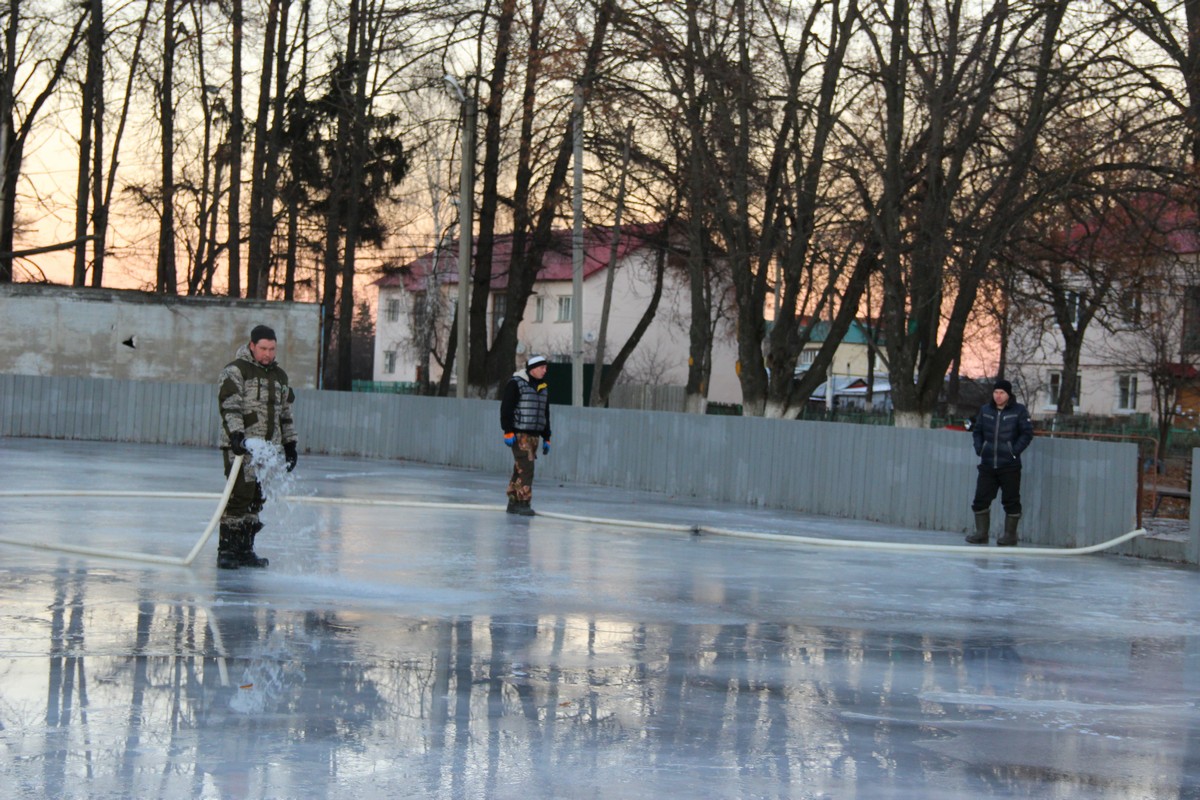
(1148, 322)
(416, 310)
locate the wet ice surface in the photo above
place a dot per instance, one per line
(442, 653)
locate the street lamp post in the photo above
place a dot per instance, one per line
(466, 214)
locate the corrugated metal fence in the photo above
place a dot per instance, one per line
(1075, 492)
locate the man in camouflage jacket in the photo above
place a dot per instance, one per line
(255, 401)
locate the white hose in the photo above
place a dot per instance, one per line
(124, 554)
(973, 550)
(967, 549)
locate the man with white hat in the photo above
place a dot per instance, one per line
(525, 420)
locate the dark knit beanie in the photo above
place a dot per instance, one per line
(1003, 384)
(261, 332)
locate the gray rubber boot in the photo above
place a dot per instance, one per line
(983, 523)
(1009, 539)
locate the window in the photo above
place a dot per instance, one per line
(420, 311)
(564, 308)
(1130, 305)
(499, 311)
(1127, 392)
(539, 309)
(1056, 388)
(389, 362)
(1073, 300)
(1191, 320)
(393, 309)
(806, 358)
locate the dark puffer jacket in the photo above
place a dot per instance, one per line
(1001, 435)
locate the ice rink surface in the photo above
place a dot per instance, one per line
(456, 653)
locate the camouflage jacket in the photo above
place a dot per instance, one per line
(255, 400)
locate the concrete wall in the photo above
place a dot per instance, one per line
(57, 330)
(1075, 492)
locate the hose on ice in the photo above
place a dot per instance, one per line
(185, 561)
(784, 538)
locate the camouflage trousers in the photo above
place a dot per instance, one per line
(524, 450)
(246, 499)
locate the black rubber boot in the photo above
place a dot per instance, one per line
(248, 557)
(1009, 539)
(228, 547)
(513, 505)
(983, 523)
(525, 510)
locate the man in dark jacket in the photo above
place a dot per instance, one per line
(255, 402)
(525, 420)
(1001, 433)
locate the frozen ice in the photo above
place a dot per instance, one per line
(457, 653)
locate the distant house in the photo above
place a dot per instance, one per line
(1149, 324)
(416, 310)
(854, 356)
(856, 377)
(859, 394)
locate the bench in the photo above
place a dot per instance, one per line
(1176, 492)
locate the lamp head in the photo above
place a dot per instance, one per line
(454, 88)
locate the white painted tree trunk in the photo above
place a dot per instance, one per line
(774, 410)
(913, 419)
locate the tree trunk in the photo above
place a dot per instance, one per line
(165, 283)
(264, 169)
(92, 89)
(608, 379)
(337, 256)
(479, 339)
(103, 203)
(237, 135)
(597, 397)
(528, 250)
(99, 209)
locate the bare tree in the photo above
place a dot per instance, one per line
(35, 58)
(165, 281)
(91, 124)
(758, 88)
(237, 135)
(533, 227)
(268, 144)
(963, 101)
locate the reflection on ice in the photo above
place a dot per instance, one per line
(448, 654)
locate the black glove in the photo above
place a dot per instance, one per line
(289, 455)
(237, 443)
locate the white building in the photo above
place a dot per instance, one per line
(1149, 322)
(1107, 383)
(426, 289)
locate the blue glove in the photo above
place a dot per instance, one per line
(546, 447)
(510, 439)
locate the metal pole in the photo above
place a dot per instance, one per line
(577, 260)
(466, 214)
